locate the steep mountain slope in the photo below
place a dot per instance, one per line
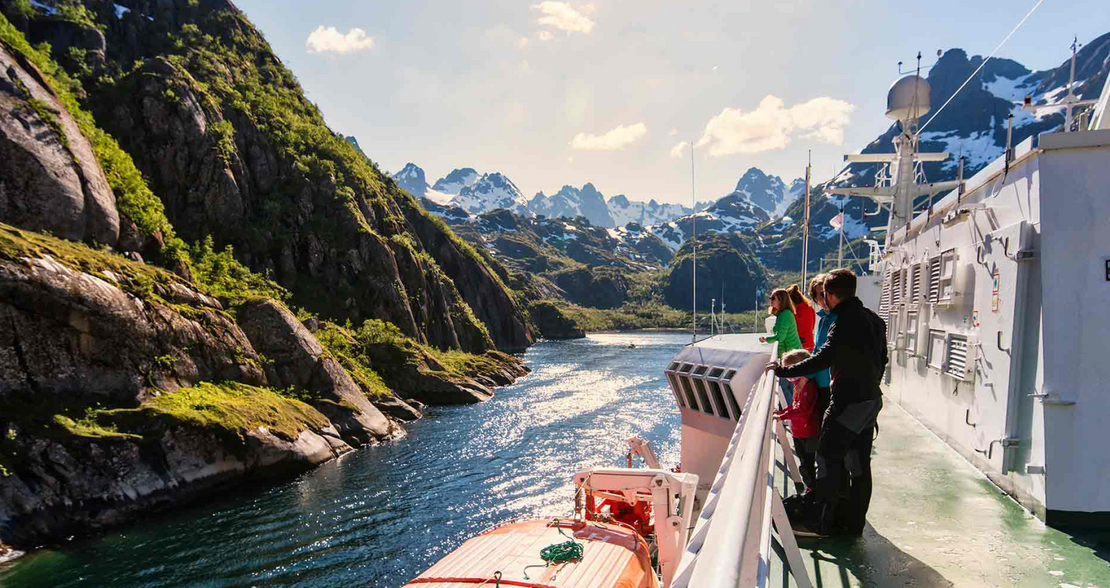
(572, 202)
(973, 125)
(222, 131)
(728, 271)
(412, 179)
(126, 387)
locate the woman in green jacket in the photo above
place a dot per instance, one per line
(786, 333)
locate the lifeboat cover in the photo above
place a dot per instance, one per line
(613, 557)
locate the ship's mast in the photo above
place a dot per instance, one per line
(907, 102)
(1070, 101)
(805, 222)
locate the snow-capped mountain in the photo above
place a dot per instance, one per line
(412, 179)
(490, 192)
(767, 192)
(454, 182)
(624, 211)
(572, 202)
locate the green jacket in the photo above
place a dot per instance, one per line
(786, 332)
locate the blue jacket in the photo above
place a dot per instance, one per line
(825, 322)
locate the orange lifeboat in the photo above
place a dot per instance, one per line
(612, 557)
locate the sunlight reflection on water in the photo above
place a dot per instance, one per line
(384, 514)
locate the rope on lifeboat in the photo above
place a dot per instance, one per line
(557, 553)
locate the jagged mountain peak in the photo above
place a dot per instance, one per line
(455, 181)
(411, 178)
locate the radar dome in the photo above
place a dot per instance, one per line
(908, 98)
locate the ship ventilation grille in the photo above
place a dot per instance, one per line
(884, 300)
(934, 280)
(915, 284)
(959, 359)
(896, 289)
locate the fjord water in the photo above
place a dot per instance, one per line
(380, 516)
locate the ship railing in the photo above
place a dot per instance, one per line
(732, 541)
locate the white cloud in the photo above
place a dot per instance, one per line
(563, 16)
(616, 139)
(522, 42)
(674, 131)
(329, 39)
(679, 151)
(772, 125)
(545, 35)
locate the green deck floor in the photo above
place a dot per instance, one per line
(936, 521)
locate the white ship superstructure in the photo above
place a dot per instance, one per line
(997, 301)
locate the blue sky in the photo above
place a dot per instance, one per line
(554, 93)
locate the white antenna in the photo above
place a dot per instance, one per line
(694, 239)
(805, 223)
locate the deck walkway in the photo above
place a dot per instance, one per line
(937, 521)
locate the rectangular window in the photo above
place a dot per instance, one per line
(719, 400)
(735, 406)
(704, 397)
(677, 391)
(912, 319)
(691, 401)
(938, 341)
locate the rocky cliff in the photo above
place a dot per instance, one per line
(138, 372)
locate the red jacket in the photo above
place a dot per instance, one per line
(807, 320)
(805, 422)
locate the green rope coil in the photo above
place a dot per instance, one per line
(557, 553)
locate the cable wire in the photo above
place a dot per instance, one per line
(976, 72)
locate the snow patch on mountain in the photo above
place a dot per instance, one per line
(454, 182)
(412, 179)
(624, 211)
(490, 192)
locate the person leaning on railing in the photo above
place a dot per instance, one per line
(856, 353)
(825, 320)
(786, 333)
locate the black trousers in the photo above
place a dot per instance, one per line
(840, 451)
(806, 449)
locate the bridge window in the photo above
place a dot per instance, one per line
(719, 400)
(675, 389)
(690, 400)
(727, 389)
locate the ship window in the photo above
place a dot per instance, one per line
(685, 368)
(718, 399)
(912, 319)
(938, 340)
(716, 373)
(676, 390)
(959, 361)
(674, 367)
(703, 396)
(691, 402)
(731, 399)
(730, 374)
(701, 369)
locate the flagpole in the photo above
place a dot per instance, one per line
(805, 225)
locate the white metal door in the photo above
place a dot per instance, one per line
(999, 289)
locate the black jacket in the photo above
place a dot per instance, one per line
(855, 351)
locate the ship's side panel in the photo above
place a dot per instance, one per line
(957, 305)
(1076, 290)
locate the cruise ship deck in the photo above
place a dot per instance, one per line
(937, 521)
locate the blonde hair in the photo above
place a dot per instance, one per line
(784, 300)
(795, 356)
(796, 295)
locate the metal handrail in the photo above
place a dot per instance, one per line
(731, 542)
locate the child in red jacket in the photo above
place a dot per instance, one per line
(805, 420)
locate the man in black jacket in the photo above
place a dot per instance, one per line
(856, 352)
